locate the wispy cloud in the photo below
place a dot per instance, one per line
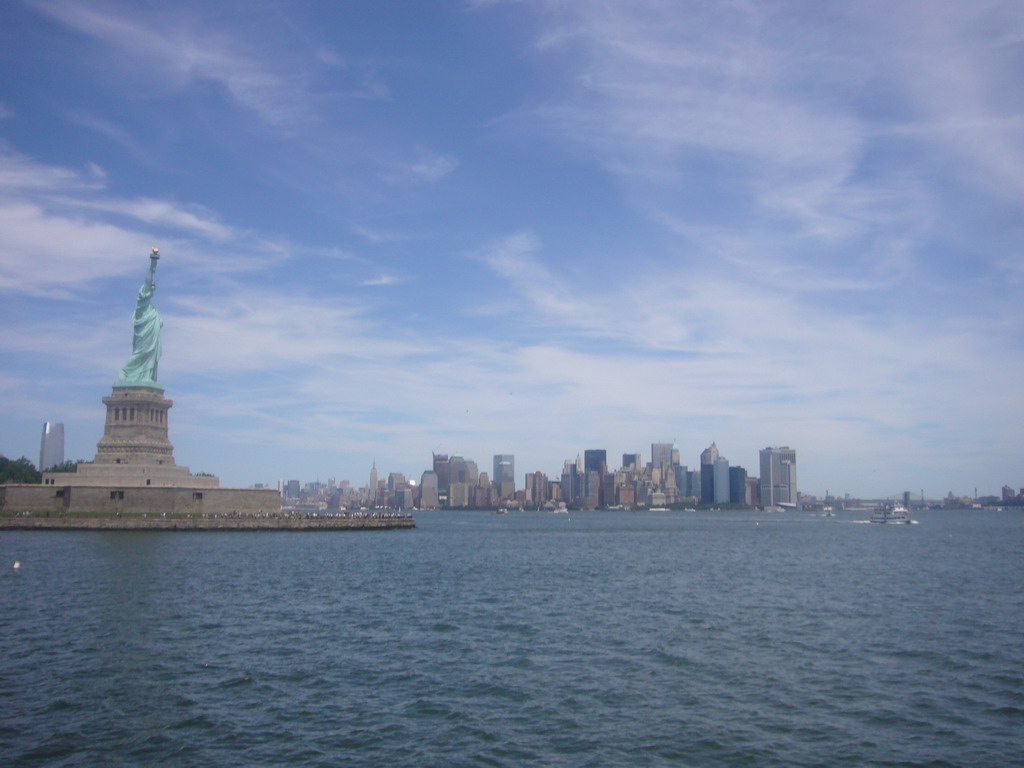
(20, 174)
(783, 110)
(428, 167)
(273, 83)
(58, 230)
(376, 236)
(382, 280)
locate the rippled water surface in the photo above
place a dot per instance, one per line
(602, 639)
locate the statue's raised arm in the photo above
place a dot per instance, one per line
(140, 370)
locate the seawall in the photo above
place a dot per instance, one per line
(176, 523)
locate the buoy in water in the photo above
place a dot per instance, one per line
(17, 565)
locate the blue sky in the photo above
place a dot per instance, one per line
(536, 227)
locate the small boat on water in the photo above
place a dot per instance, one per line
(896, 513)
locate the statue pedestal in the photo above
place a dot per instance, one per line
(134, 450)
(135, 431)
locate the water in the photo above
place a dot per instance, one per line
(607, 639)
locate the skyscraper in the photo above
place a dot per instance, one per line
(661, 456)
(595, 460)
(707, 477)
(595, 465)
(505, 475)
(631, 461)
(778, 477)
(51, 448)
(572, 482)
(738, 485)
(441, 470)
(456, 469)
(720, 475)
(428, 490)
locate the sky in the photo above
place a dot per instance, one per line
(534, 227)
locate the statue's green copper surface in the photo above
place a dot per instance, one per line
(140, 370)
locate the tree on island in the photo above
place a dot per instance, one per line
(19, 471)
(66, 466)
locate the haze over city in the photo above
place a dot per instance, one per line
(395, 228)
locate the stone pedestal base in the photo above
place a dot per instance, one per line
(135, 431)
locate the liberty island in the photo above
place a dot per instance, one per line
(134, 483)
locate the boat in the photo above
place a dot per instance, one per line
(895, 513)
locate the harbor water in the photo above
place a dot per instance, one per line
(530, 638)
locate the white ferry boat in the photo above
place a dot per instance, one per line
(897, 513)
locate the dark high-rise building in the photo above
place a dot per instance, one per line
(441, 470)
(738, 485)
(692, 483)
(572, 483)
(631, 461)
(595, 460)
(51, 447)
(595, 466)
(707, 475)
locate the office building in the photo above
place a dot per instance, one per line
(441, 470)
(51, 448)
(661, 456)
(572, 482)
(456, 470)
(778, 477)
(428, 490)
(505, 475)
(595, 466)
(707, 476)
(537, 488)
(720, 476)
(595, 460)
(738, 486)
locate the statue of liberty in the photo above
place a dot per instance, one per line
(140, 370)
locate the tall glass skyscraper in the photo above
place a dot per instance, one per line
(708, 457)
(504, 477)
(51, 448)
(720, 479)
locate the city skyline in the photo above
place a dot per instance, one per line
(393, 229)
(777, 465)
